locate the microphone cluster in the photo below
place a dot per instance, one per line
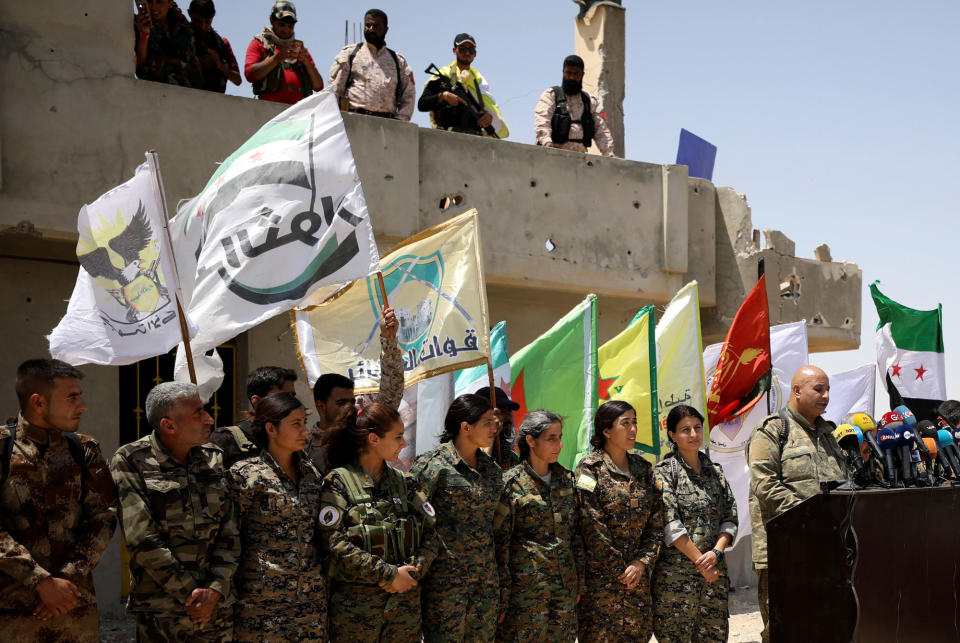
(910, 453)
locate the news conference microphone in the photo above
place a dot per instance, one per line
(946, 426)
(906, 415)
(908, 470)
(866, 425)
(929, 433)
(890, 420)
(946, 448)
(846, 436)
(888, 444)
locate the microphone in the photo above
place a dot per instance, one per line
(908, 470)
(846, 436)
(930, 439)
(890, 420)
(865, 423)
(946, 426)
(888, 444)
(946, 447)
(906, 415)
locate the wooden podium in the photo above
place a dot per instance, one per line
(868, 566)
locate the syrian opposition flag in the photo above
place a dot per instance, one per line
(910, 354)
(471, 380)
(558, 371)
(743, 371)
(282, 218)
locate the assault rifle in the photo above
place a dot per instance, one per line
(469, 100)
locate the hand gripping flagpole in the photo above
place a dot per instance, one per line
(175, 278)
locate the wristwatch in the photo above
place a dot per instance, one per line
(718, 554)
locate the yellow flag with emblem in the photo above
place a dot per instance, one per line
(434, 281)
(628, 373)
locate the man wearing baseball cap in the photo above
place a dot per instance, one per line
(279, 66)
(505, 408)
(458, 97)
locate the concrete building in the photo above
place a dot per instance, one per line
(74, 122)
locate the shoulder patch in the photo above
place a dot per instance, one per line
(329, 516)
(586, 482)
(429, 510)
(659, 484)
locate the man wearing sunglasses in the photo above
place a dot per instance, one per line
(458, 94)
(279, 66)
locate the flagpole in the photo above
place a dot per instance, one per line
(383, 289)
(178, 294)
(493, 403)
(760, 272)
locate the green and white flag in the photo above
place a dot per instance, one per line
(910, 354)
(282, 218)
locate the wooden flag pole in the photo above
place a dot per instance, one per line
(184, 331)
(760, 271)
(493, 403)
(383, 289)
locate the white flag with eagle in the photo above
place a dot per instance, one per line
(123, 307)
(283, 217)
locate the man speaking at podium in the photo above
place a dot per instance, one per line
(790, 454)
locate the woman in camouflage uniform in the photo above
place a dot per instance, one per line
(621, 523)
(377, 529)
(464, 484)
(690, 585)
(281, 588)
(539, 551)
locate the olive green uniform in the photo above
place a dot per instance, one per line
(281, 586)
(686, 608)
(539, 555)
(783, 478)
(621, 522)
(460, 594)
(369, 529)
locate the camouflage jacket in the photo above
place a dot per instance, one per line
(171, 54)
(178, 523)
(360, 554)
(621, 516)
(698, 505)
(277, 518)
(51, 524)
(391, 393)
(781, 479)
(536, 533)
(465, 500)
(236, 442)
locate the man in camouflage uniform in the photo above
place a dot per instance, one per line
(539, 555)
(178, 522)
(57, 510)
(333, 393)
(698, 505)
(237, 442)
(364, 563)
(785, 473)
(505, 408)
(460, 594)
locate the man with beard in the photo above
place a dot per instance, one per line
(561, 119)
(279, 66)
(449, 110)
(370, 78)
(333, 392)
(178, 522)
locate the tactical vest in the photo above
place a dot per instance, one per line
(374, 525)
(560, 121)
(274, 81)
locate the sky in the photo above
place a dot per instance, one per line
(837, 120)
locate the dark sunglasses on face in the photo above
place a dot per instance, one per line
(465, 49)
(288, 21)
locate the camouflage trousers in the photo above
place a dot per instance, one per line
(546, 613)
(459, 610)
(686, 608)
(611, 613)
(763, 598)
(365, 613)
(281, 621)
(164, 628)
(79, 625)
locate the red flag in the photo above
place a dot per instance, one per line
(743, 369)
